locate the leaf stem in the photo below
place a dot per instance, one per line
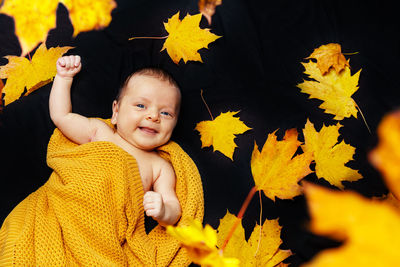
(148, 37)
(349, 54)
(260, 235)
(239, 216)
(365, 121)
(202, 98)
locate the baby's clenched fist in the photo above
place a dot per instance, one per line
(68, 66)
(153, 205)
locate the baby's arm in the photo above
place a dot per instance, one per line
(162, 204)
(76, 127)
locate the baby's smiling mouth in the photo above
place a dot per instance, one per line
(148, 130)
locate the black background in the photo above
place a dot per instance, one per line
(253, 68)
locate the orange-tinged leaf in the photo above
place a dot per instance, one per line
(390, 199)
(221, 132)
(275, 170)
(334, 89)
(370, 230)
(89, 15)
(330, 156)
(253, 252)
(386, 156)
(186, 38)
(329, 55)
(201, 244)
(21, 73)
(33, 19)
(207, 8)
(1, 86)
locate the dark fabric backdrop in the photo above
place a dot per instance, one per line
(253, 68)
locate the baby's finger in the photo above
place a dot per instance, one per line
(77, 60)
(61, 62)
(148, 206)
(150, 213)
(67, 61)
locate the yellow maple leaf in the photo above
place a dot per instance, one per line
(221, 132)
(330, 156)
(21, 73)
(329, 55)
(253, 252)
(186, 38)
(201, 244)
(334, 89)
(275, 170)
(207, 8)
(369, 229)
(33, 19)
(386, 156)
(87, 15)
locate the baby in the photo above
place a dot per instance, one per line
(144, 114)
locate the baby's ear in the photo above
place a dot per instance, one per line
(115, 112)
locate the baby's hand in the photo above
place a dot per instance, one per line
(153, 205)
(68, 66)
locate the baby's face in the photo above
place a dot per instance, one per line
(147, 112)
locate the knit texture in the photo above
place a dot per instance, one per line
(90, 212)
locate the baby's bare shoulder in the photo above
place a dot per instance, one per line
(102, 131)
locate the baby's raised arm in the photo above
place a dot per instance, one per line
(76, 127)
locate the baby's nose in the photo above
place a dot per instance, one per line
(153, 116)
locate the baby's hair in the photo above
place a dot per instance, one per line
(151, 72)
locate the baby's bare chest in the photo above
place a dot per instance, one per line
(144, 160)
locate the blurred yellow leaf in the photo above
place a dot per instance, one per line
(221, 132)
(329, 55)
(207, 8)
(386, 156)
(370, 230)
(253, 252)
(186, 38)
(334, 89)
(21, 73)
(330, 156)
(33, 19)
(88, 15)
(201, 244)
(275, 170)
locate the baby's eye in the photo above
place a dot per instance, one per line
(165, 113)
(140, 105)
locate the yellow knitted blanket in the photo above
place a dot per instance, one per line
(90, 212)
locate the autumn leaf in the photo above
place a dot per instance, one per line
(21, 73)
(221, 132)
(330, 156)
(88, 15)
(386, 156)
(201, 244)
(1, 86)
(253, 252)
(33, 19)
(369, 229)
(388, 198)
(329, 55)
(186, 38)
(276, 170)
(207, 8)
(334, 89)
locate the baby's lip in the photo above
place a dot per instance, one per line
(148, 130)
